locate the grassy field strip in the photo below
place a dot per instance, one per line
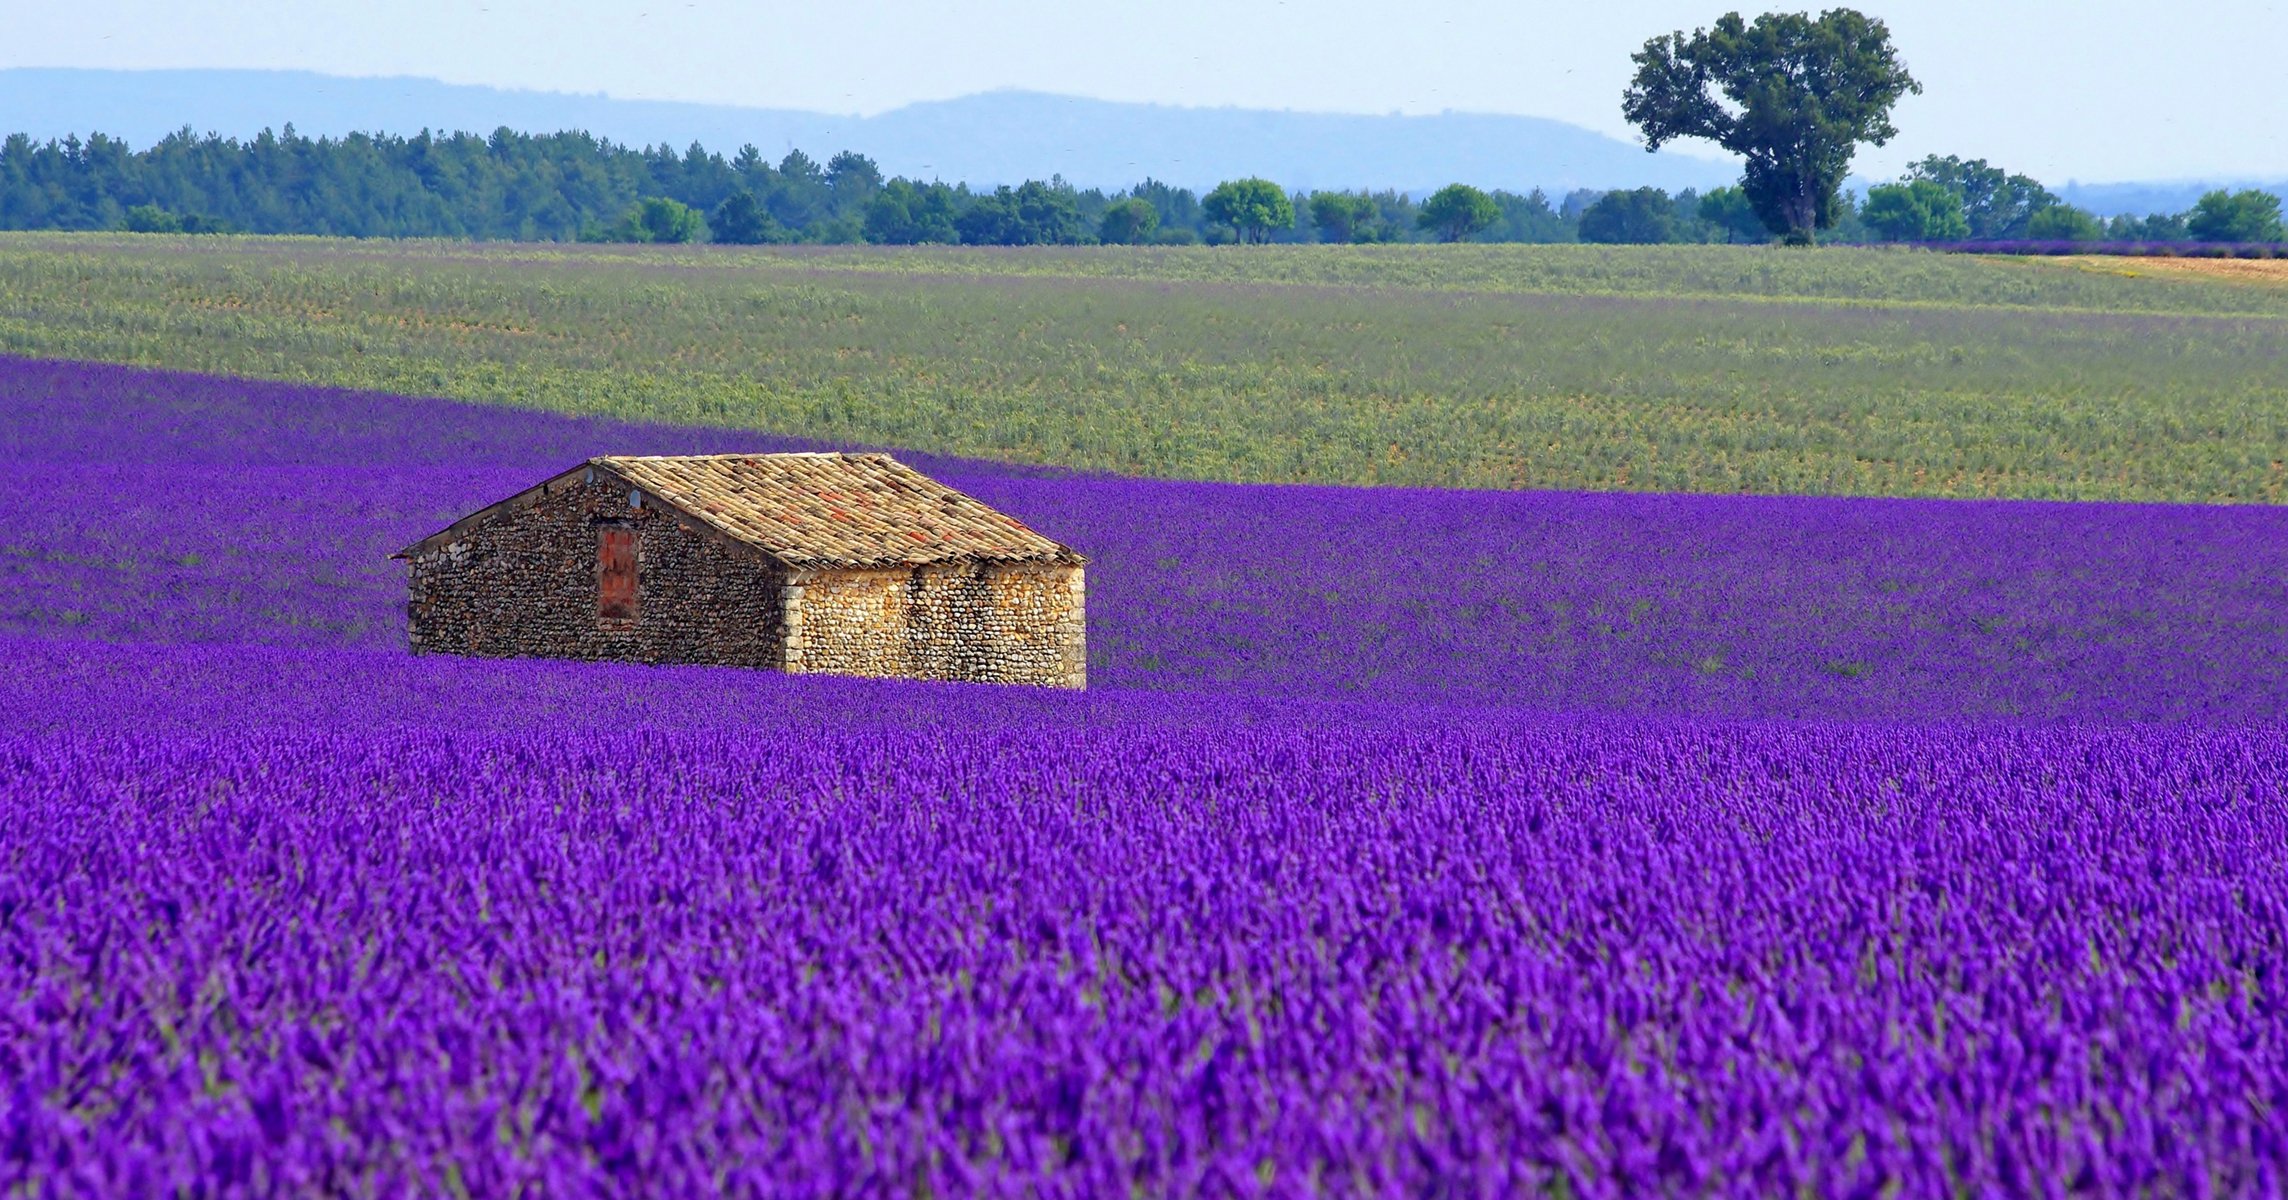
(2267, 299)
(1242, 379)
(1864, 275)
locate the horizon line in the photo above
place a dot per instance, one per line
(1689, 153)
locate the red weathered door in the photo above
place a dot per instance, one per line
(616, 573)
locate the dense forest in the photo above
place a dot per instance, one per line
(570, 186)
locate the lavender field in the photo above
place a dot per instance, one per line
(1428, 842)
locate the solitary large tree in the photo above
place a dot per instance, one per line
(1792, 95)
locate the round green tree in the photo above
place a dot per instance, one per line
(1129, 222)
(2243, 216)
(659, 219)
(1456, 211)
(2064, 223)
(1254, 208)
(1915, 211)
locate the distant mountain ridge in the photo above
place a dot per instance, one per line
(988, 138)
(982, 139)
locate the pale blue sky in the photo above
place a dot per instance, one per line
(2094, 90)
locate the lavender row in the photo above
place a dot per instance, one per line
(1598, 958)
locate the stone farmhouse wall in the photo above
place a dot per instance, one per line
(980, 621)
(528, 583)
(525, 584)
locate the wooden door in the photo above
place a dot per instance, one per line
(616, 573)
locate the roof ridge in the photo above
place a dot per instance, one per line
(883, 454)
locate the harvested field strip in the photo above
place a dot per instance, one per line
(2269, 271)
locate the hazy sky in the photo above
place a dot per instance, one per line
(2094, 90)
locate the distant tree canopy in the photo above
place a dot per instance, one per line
(1129, 222)
(1729, 211)
(1456, 211)
(1179, 209)
(1947, 199)
(1915, 211)
(150, 218)
(1031, 214)
(741, 219)
(1527, 218)
(2152, 227)
(2245, 216)
(1995, 204)
(1344, 216)
(853, 174)
(561, 187)
(654, 219)
(1253, 208)
(2064, 223)
(1644, 215)
(904, 213)
(1791, 94)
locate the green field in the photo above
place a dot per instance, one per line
(1703, 368)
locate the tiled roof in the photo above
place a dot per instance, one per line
(834, 510)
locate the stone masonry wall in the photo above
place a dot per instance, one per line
(982, 622)
(526, 584)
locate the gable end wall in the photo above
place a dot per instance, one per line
(524, 584)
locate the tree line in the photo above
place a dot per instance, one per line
(571, 187)
(1939, 199)
(1953, 200)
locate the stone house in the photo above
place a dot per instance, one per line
(849, 564)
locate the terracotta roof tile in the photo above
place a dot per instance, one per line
(835, 510)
